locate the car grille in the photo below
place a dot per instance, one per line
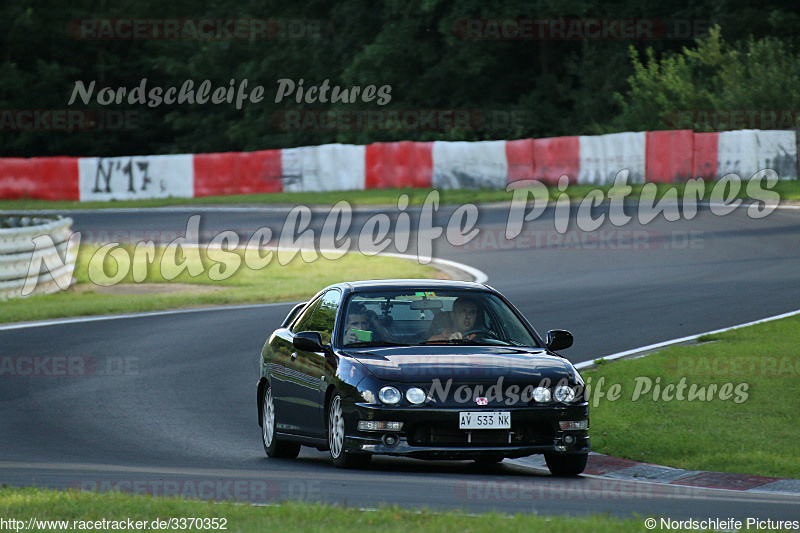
(534, 434)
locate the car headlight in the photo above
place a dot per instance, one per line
(415, 395)
(389, 395)
(564, 394)
(541, 394)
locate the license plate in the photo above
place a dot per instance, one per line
(484, 420)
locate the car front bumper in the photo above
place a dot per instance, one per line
(432, 433)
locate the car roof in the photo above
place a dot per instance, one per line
(373, 284)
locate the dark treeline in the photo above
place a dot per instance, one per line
(423, 51)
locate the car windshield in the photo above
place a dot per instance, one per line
(425, 317)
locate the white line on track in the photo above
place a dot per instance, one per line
(664, 344)
(314, 208)
(212, 209)
(100, 318)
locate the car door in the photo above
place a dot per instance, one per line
(283, 377)
(308, 383)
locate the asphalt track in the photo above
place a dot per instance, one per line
(168, 407)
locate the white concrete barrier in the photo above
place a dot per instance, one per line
(329, 167)
(603, 156)
(745, 152)
(136, 177)
(469, 165)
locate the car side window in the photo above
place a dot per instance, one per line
(325, 315)
(292, 315)
(301, 324)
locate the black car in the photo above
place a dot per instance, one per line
(420, 368)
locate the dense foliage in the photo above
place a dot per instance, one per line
(419, 49)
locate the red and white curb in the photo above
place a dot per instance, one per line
(604, 466)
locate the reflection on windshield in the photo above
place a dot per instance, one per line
(451, 317)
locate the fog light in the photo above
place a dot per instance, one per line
(569, 439)
(415, 395)
(379, 425)
(567, 425)
(391, 440)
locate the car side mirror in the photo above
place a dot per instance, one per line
(558, 339)
(308, 341)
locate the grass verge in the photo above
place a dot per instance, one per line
(21, 504)
(743, 427)
(788, 191)
(292, 281)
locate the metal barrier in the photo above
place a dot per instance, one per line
(18, 251)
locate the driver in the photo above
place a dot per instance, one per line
(464, 316)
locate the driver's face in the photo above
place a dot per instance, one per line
(464, 316)
(357, 322)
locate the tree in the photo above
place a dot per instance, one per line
(703, 87)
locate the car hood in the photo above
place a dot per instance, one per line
(463, 363)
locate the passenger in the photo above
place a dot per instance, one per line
(362, 325)
(357, 320)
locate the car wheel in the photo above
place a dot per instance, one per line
(273, 446)
(566, 465)
(336, 435)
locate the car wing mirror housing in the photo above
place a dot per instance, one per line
(308, 341)
(558, 339)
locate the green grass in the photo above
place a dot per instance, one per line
(274, 283)
(288, 516)
(788, 190)
(757, 436)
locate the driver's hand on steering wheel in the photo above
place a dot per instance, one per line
(455, 336)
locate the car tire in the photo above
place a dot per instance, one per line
(336, 435)
(566, 465)
(272, 445)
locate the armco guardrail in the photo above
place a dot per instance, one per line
(18, 251)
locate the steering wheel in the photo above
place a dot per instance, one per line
(480, 332)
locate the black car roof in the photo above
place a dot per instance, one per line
(368, 285)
